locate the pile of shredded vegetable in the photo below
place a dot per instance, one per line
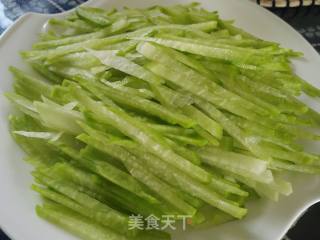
(155, 112)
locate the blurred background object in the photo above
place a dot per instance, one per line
(303, 15)
(288, 3)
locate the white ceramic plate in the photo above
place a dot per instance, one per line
(266, 220)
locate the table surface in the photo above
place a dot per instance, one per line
(305, 20)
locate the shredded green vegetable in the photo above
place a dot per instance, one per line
(155, 112)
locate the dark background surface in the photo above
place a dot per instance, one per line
(306, 20)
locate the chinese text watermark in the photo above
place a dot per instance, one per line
(152, 222)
